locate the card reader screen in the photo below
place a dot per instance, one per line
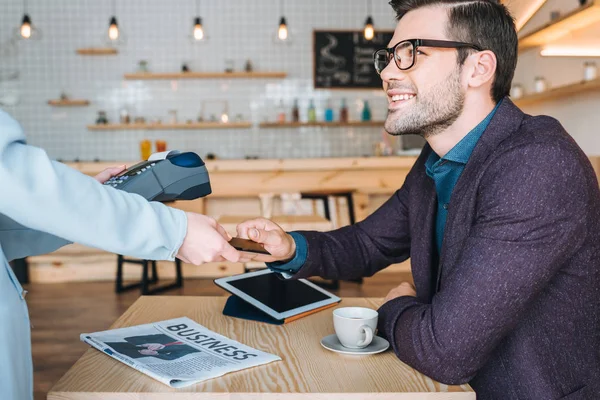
(137, 167)
(280, 295)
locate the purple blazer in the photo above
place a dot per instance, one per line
(516, 309)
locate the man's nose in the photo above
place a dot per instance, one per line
(392, 73)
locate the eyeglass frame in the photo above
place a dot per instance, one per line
(416, 43)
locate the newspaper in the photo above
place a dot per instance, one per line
(178, 352)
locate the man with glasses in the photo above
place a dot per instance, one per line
(499, 215)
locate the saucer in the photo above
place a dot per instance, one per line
(332, 343)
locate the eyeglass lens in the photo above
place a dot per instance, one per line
(403, 56)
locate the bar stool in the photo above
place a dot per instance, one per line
(143, 284)
(145, 281)
(324, 196)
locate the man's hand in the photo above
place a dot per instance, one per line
(109, 173)
(404, 289)
(274, 239)
(206, 241)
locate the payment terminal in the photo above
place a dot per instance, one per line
(166, 176)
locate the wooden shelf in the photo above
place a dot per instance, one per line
(69, 103)
(195, 125)
(97, 51)
(204, 75)
(578, 19)
(321, 124)
(559, 92)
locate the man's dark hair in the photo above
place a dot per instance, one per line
(486, 23)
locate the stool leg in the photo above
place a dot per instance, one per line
(144, 283)
(178, 276)
(154, 278)
(326, 208)
(119, 280)
(350, 202)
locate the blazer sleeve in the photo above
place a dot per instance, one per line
(531, 218)
(364, 248)
(50, 197)
(18, 241)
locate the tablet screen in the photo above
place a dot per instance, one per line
(280, 295)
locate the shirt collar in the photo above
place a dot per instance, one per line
(461, 152)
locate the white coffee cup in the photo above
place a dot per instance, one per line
(355, 326)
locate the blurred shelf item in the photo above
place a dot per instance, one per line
(97, 51)
(588, 14)
(559, 92)
(68, 103)
(322, 124)
(203, 75)
(195, 125)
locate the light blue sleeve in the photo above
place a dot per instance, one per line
(50, 197)
(18, 241)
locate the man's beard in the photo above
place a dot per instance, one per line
(432, 112)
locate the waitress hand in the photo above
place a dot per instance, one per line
(275, 240)
(206, 241)
(109, 173)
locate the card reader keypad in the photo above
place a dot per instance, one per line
(115, 181)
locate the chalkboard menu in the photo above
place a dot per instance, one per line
(344, 59)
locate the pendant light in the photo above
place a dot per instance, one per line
(198, 34)
(114, 36)
(283, 34)
(27, 30)
(369, 25)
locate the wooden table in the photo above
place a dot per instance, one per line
(307, 370)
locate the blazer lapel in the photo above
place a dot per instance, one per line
(505, 122)
(422, 235)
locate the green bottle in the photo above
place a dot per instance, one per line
(366, 112)
(312, 113)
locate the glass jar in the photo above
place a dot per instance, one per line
(540, 84)
(102, 118)
(516, 92)
(161, 145)
(590, 71)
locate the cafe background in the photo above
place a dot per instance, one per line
(261, 154)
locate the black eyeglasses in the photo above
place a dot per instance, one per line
(404, 52)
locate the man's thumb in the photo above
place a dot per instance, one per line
(261, 236)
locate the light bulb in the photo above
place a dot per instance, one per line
(26, 27)
(369, 29)
(113, 29)
(198, 30)
(224, 118)
(282, 33)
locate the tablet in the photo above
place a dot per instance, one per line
(281, 299)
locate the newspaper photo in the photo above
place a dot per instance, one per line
(178, 352)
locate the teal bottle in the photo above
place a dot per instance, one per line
(366, 112)
(328, 112)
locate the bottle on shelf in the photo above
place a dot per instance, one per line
(344, 112)
(295, 112)
(281, 113)
(366, 112)
(328, 112)
(312, 112)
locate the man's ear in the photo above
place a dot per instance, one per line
(483, 68)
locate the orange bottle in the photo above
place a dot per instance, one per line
(145, 149)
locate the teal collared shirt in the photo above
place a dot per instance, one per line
(446, 170)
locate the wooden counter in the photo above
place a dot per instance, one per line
(243, 178)
(306, 371)
(236, 185)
